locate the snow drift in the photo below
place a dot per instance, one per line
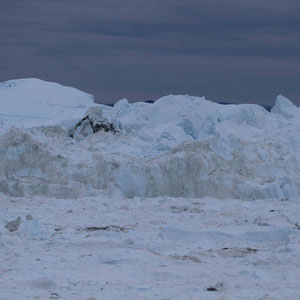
(179, 146)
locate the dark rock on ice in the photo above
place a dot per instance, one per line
(92, 122)
(113, 228)
(13, 225)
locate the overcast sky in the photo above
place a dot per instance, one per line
(233, 50)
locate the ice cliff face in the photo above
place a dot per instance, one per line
(180, 146)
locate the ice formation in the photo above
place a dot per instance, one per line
(32, 102)
(179, 146)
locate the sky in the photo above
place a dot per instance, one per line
(236, 51)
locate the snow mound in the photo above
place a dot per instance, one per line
(33, 102)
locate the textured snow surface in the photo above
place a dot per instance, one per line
(149, 248)
(180, 146)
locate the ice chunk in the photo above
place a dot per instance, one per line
(284, 107)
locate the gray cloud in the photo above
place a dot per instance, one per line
(226, 50)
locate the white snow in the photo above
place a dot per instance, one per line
(164, 248)
(33, 102)
(190, 199)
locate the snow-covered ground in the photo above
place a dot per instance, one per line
(149, 248)
(180, 199)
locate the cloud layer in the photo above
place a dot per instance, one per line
(234, 50)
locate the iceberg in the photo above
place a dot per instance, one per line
(178, 146)
(33, 102)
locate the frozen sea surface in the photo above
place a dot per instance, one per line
(146, 248)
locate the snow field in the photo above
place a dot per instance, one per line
(149, 248)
